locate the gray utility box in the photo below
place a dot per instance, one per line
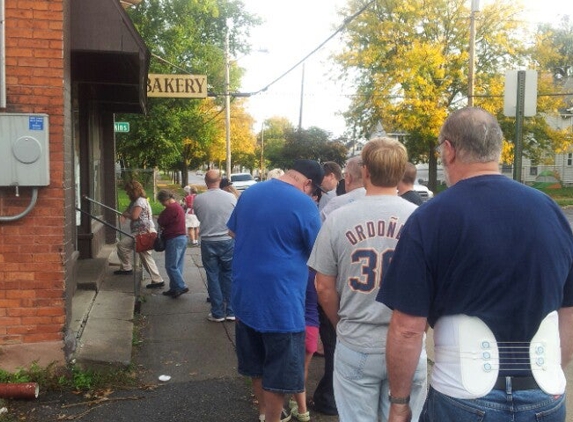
(24, 150)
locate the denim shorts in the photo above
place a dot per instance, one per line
(277, 358)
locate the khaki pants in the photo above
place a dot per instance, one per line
(125, 253)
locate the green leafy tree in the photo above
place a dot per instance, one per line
(313, 144)
(552, 54)
(184, 37)
(409, 61)
(273, 139)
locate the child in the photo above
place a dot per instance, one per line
(191, 221)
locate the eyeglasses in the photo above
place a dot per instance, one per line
(438, 147)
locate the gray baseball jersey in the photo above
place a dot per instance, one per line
(356, 244)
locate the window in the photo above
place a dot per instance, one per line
(570, 159)
(533, 171)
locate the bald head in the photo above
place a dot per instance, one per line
(475, 134)
(212, 179)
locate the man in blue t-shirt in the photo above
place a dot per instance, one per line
(489, 265)
(275, 224)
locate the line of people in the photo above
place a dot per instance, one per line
(488, 264)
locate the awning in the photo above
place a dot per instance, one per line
(109, 55)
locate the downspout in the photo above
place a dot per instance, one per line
(2, 55)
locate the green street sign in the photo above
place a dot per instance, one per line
(121, 127)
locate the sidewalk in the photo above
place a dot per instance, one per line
(179, 341)
(176, 341)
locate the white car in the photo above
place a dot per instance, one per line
(424, 192)
(242, 181)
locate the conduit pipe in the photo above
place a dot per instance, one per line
(25, 390)
(33, 200)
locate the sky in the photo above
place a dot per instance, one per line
(291, 30)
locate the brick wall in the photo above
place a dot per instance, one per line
(33, 249)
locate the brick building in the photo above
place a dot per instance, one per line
(66, 66)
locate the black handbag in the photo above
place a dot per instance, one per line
(159, 243)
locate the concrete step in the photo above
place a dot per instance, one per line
(102, 318)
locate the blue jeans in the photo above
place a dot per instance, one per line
(361, 386)
(217, 259)
(174, 258)
(497, 406)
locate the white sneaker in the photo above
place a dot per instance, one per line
(211, 318)
(231, 318)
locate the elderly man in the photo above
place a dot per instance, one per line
(353, 184)
(275, 225)
(488, 264)
(355, 244)
(213, 209)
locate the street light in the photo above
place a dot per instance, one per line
(227, 105)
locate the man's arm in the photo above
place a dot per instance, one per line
(566, 334)
(328, 296)
(403, 348)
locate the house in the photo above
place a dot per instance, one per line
(66, 66)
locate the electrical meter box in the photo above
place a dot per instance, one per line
(24, 149)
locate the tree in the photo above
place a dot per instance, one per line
(184, 37)
(273, 138)
(552, 54)
(313, 144)
(409, 59)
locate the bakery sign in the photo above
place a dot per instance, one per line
(177, 86)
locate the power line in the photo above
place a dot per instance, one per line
(346, 22)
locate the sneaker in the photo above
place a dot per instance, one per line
(231, 318)
(155, 285)
(168, 292)
(302, 417)
(211, 318)
(285, 416)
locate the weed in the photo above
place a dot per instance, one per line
(61, 378)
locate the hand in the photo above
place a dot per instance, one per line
(400, 413)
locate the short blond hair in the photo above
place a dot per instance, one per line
(385, 158)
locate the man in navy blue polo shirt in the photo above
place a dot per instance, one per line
(489, 265)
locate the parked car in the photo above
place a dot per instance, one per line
(242, 181)
(424, 192)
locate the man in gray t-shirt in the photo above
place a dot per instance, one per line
(354, 247)
(213, 209)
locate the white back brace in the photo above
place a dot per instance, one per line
(467, 357)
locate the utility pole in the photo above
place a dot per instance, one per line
(475, 9)
(262, 150)
(227, 106)
(301, 99)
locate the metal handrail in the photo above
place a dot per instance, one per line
(117, 229)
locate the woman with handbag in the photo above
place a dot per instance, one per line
(140, 215)
(172, 223)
